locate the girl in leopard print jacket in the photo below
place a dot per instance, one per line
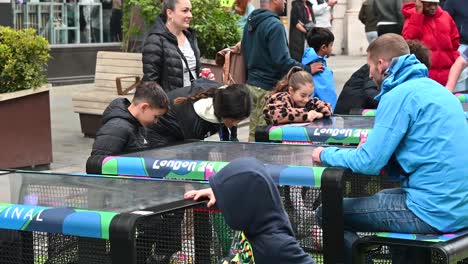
(291, 101)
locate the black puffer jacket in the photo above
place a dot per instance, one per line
(358, 93)
(162, 57)
(120, 131)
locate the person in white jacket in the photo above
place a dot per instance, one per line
(322, 11)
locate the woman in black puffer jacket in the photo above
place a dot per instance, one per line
(170, 53)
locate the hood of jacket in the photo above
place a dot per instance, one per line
(311, 56)
(159, 28)
(119, 109)
(402, 69)
(249, 199)
(408, 9)
(257, 17)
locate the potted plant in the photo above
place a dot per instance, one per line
(215, 25)
(24, 99)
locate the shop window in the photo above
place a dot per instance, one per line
(71, 21)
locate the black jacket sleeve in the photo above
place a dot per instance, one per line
(152, 58)
(295, 14)
(111, 138)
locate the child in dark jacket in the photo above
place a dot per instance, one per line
(250, 202)
(320, 41)
(291, 101)
(123, 123)
(201, 115)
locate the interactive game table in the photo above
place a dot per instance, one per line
(54, 218)
(340, 130)
(304, 185)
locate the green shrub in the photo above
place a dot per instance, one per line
(23, 57)
(216, 29)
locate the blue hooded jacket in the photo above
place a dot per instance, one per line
(250, 202)
(324, 84)
(423, 125)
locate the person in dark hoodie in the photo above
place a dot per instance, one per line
(266, 56)
(170, 53)
(250, 202)
(123, 122)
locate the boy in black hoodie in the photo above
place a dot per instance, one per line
(122, 129)
(250, 202)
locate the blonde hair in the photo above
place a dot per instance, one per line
(295, 77)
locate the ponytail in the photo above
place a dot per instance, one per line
(295, 77)
(200, 95)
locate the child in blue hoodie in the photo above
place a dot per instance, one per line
(320, 41)
(250, 202)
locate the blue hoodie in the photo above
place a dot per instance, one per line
(324, 84)
(250, 202)
(423, 124)
(265, 50)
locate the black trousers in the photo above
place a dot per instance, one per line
(384, 29)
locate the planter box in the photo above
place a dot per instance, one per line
(25, 136)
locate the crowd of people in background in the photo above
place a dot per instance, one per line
(414, 52)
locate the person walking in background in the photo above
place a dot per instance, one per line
(323, 12)
(302, 20)
(435, 28)
(116, 21)
(367, 17)
(266, 56)
(458, 9)
(389, 16)
(170, 53)
(243, 8)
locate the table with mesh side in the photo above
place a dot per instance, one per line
(336, 130)
(59, 218)
(304, 185)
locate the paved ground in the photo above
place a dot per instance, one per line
(71, 149)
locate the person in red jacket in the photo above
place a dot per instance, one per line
(434, 27)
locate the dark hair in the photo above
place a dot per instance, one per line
(167, 4)
(151, 93)
(387, 46)
(231, 102)
(295, 77)
(319, 36)
(421, 51)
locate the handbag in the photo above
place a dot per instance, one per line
(233, 64)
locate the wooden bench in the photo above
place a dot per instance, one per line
(117, 75)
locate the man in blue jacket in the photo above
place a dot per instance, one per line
(422, 125)
(266, 56)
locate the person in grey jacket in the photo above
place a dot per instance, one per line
(389, 16)
(170, 53)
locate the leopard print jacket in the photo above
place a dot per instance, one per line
(280, 109)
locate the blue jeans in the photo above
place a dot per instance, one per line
(384, 211)
(463, 85)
